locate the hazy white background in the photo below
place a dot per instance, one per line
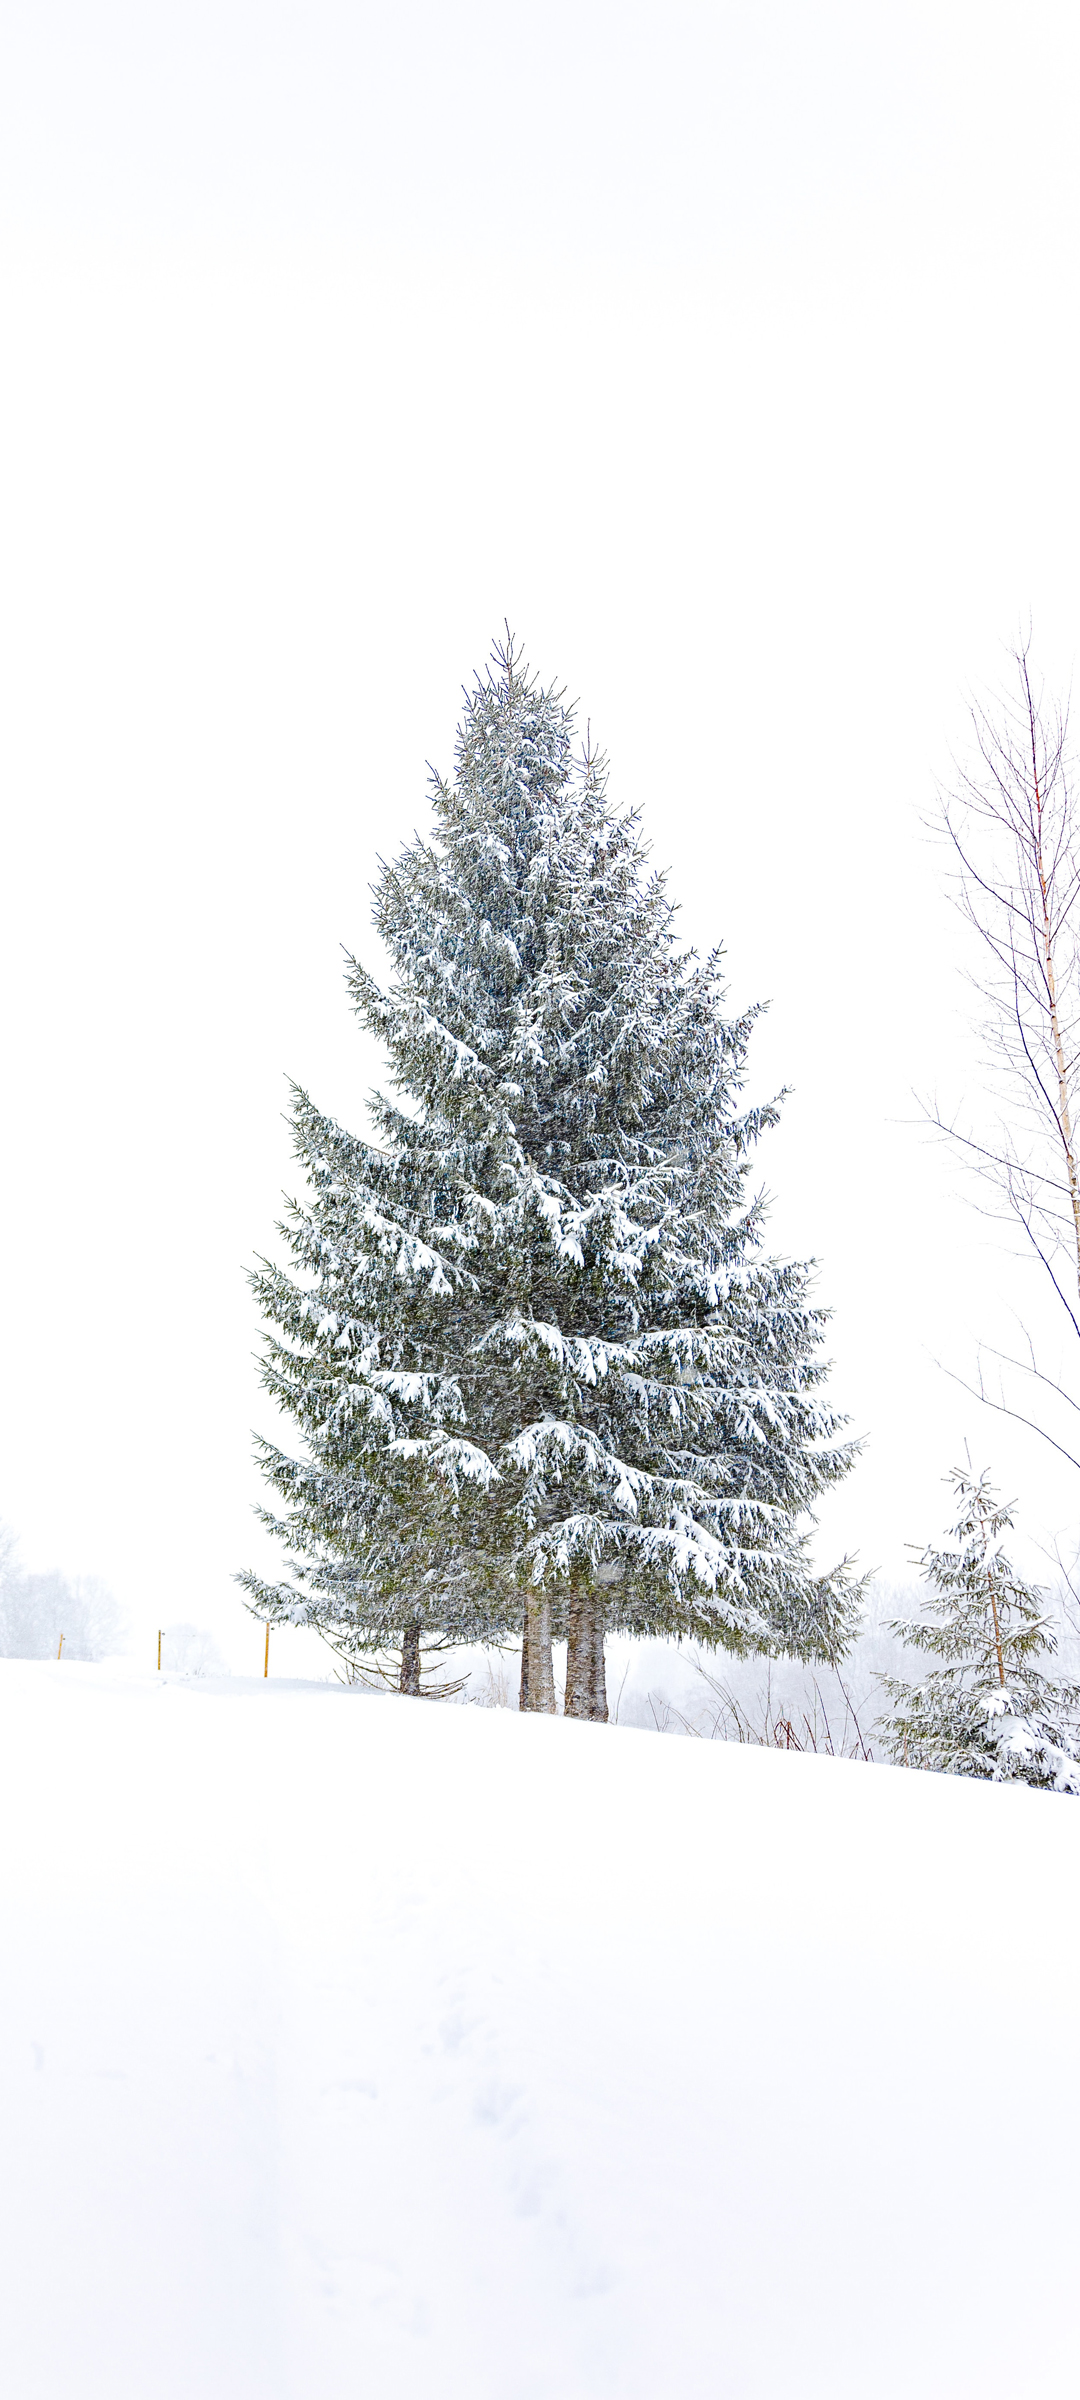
(730, 352)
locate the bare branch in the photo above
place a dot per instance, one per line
(978, 1392)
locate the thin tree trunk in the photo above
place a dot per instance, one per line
(993, 1598)
(409, 1679)
(997, 1637)
(537, 1676)
(1050, 972)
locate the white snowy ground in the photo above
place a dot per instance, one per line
(361, 2046)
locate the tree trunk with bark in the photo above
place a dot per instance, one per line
(537, 1678)
(409, 1679)
(578, 1657)
(599, 1676)
(586, 1686)
(523, 1694)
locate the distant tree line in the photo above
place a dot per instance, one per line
(37, 1609)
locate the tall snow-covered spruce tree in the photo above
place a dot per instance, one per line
(546, 1379)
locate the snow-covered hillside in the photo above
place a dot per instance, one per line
(369, 2046)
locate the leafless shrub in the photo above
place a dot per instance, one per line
(496, 1685)
(769, 1725)
(1013, 832)
(190, 1650)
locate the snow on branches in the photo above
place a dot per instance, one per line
(987, 1710)
(538, 1358)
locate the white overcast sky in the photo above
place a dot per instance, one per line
(730, 352)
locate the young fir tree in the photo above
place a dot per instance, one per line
(987, 1710)
(545, 1376)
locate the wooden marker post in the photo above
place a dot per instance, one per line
(59, 1645)
(266, 1652)
(159, 1653)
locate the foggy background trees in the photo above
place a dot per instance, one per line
(36, 1609)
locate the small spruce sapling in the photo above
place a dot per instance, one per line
(987, 1710)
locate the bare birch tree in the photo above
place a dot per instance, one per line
(1011, 821)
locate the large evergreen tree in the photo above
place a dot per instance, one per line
(987, 1709)
(543, 1372)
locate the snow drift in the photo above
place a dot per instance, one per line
(359, 2045)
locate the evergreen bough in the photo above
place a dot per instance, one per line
(545, 1377)
(988, 1710)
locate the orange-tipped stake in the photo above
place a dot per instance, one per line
(266, 1652)
(59, 1645)
(159, 1653)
